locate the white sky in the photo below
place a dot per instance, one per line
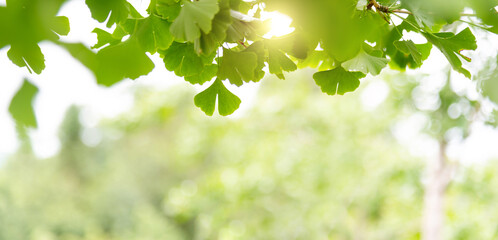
(65, 82)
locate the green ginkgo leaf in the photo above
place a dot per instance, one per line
(21, 106)
(451, 45)
(104, 38)
(82, 53)
(238, 66)
(209, 42)
(153, 33)
(168, 9)
(27, 55)
(182, 59)
(194, 18)
(121, 61)
(338, 81)
(227, 101)
(279, 62)
(409, 48)
(258, 49)
(208, 72)
(60, 25)
(366, 63)
(114, 10)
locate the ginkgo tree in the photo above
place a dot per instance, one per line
(223, 40)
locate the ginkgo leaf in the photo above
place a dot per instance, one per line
(21, 106)
(250, 29)
(182, 59)
(23, 27)
(338, 81)
(451, 45)
(153, 33)
(484, 11)
(237, 66)
(227, 101)
(60, 25)
(313, 59)
(104, 38)
(27, 55)
(240, 5)
(208, 72)
(278, 62)
(194, 17)
(432, 12)
(115, 10)
(258, 49)
(400, 59)
(209, 42)
(121, 61)
(82, 53)
(168, 9)
(409, 48)
(365, 63)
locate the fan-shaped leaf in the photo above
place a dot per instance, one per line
(338, 81)
(194, 17)
(227, 101)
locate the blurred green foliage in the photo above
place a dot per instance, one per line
(299, 166)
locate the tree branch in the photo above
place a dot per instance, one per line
(385, 9)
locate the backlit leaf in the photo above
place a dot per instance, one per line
(211, 41)
(366, 63)
(115, 10)
(194, 18)
(227, 101)
(27, 55)
(168, 9)
(451, 45)
(338, 81)
(409, 48)
(21, 106)
(258, 49)
(82, 53)
(60, 25)
(278, 62)
(153, 34)
(237, 66)
(104, 38)
(208, 72)
(121, 61)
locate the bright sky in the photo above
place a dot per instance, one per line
(65, 82)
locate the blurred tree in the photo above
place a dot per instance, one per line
(450, 111)
(299, 166)
(285, 171)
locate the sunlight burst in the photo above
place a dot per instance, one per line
(279, 24)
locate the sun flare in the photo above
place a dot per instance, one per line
(279, 24)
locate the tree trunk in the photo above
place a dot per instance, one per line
(438, 178)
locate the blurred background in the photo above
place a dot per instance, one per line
(140, 161)
(299, 165)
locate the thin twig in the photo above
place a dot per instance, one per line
(375, 4)
(379, 7)
(402, 11)
(468, 14)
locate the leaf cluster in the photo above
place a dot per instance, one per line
(203, 40)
